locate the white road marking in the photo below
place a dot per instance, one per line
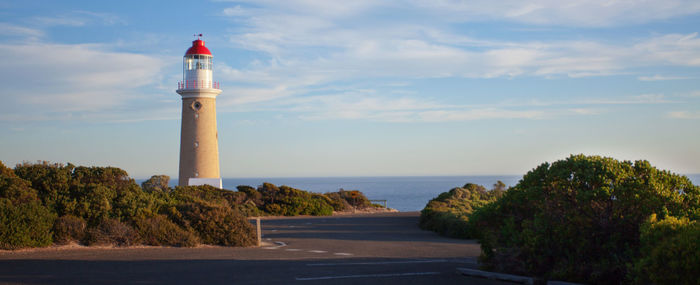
(278, 243)
(343, 253)
(367, 276)
(317, 251)
(378, 262)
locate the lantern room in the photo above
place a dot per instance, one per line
(197, 67)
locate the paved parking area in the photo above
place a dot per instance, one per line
(362, 249)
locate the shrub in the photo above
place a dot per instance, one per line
(344, 199)
(216, 224)
(24, 225)
(14, 188)
(111, 231)
(68, 228)
(251, 194)
(288, 201)
(448, 214)
(156, 183)
(579, 219)
(52, 181)
(159, 230)
(337, 201)
(669, 252)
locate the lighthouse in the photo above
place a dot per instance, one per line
(199, 147)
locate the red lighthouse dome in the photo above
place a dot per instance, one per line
(198, 48)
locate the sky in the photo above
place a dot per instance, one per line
(355, 88)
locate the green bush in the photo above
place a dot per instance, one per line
(670, 252)
(288, 201)
(156, 183)
(24, 225)
(346, 199)
(24, 221)
(111, 231)
(216, 224)
(159, 230)
(448, 214)
(68, 228)
(579, 219)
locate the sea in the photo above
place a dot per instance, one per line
(403, 193)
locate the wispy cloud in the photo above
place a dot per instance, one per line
(78, 18)
(657, 77)
(326, 46)
(48, 81)
(20, 31)
(583, 13)
(691, 115)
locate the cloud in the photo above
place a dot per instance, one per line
(684, 115)
(581, 13)
(478, 114)
(20, 31)
(630, 100)
(352, 43)
(48, 80)
(657, 77)
(672, 49)
(585, 111)
(370, 106)
(78, 18)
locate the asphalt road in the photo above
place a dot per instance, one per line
(363, 249)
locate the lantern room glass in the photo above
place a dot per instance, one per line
(197, 61)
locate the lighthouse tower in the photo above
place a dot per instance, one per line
(199, 149)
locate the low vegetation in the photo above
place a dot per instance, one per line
(448, 214)
(44, 203)
(590, 219)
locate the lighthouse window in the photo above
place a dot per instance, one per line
(198, 61)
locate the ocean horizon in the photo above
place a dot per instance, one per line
(403, 193)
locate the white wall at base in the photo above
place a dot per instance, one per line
(216, 182)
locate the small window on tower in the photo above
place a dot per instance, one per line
(196, 105)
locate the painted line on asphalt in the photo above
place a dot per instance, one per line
(367, 276)
(343, 253)
(279, 244)
(378, 262)
(317, 251)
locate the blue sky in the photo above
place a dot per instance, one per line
(355, 88)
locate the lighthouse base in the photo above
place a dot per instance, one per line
(216, 182)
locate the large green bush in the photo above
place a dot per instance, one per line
(216, 224)
(159, 230)
(288, 201)
(103, 205)
(579, 219)
(24, 221)
(24, 225)
(448, 214)
(670, 252)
